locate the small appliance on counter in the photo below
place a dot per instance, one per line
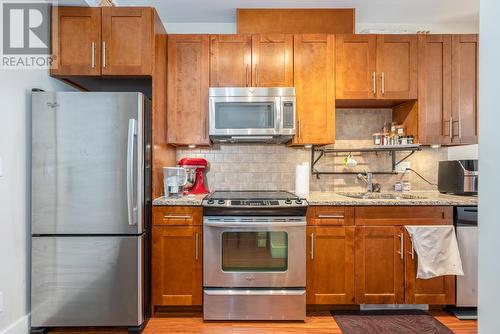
(174, 180)
(195, 168)
(459, 177)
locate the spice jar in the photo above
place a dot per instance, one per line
(385, 138)
(400, 130)
(377, 138)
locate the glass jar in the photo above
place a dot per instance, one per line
(406, 185)
(400, 130)
(377, 138)
(398, 186)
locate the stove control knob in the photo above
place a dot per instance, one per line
(298, 201)
(221, 201)
(288, 201)
(210, 201)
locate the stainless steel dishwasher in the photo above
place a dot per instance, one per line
(467, 237)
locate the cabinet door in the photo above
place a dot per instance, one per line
(355, 66)
(272, 60)
(379, 263)
(127, 41)
(315, 89)
(230, 60)
(76, 41)
(464, 89)
(177, 265)
(397, 66)
(434, 89)
(438, 290)
(330, 265)
(187, 89)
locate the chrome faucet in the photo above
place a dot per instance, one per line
(368, 179)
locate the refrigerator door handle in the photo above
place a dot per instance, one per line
(132, 133)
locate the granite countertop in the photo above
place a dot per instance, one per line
(333, 198)
(190, 200)
(426, 198)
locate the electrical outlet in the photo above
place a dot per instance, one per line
(402, 167)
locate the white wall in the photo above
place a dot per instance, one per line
(15, 142)
(489, 182)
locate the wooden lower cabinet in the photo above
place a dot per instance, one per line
(438, 290)
(330, 265)
(177, 265)
(379, 265)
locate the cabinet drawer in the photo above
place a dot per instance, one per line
(177, 215)
(403, 215)
(330, 215)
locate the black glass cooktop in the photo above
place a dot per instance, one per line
(251, 195)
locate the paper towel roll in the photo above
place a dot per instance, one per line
(302, 179)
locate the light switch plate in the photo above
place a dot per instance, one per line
(402, 166)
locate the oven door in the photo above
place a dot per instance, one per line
(254, 251)
(244, 116)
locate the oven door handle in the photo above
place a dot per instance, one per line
(259, 225)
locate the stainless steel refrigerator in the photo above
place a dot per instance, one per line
(90, 194)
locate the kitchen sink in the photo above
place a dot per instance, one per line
(380, 196)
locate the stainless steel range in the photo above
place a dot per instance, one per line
(254, 256)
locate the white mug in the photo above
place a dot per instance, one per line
(349, 161)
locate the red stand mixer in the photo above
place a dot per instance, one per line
(194, 168)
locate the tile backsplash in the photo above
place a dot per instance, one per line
(272, 167)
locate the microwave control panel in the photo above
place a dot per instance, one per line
(288, 115)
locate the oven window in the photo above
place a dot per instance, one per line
(244, 115)
(254, 251)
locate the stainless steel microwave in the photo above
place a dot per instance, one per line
(251, 114)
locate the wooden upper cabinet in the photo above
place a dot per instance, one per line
(397, 66)
(187, 89)
(272, 60)
(230, 60)
(330, 265)
(76, 41)
(115, 41)
(379, 265)
(376, 67)
(438, 291)
(434, 88)
(177, 265)
(448, 81)
(315, 88)
(127, 40)
(464, 103)
(355, 70)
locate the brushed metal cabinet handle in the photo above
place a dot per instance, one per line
(459, 128)
(312, 246)
(451, 127)
(401, 246)
(246, 75)
(104, 54)
(374, 80)
(256, 74)
(196, 246)
(93, 55)
(383, 83)
(177, 216)
(298, 128)
(332, 216)
(412, 252)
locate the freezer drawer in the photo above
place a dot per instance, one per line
(87, 281)
(254, 304)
